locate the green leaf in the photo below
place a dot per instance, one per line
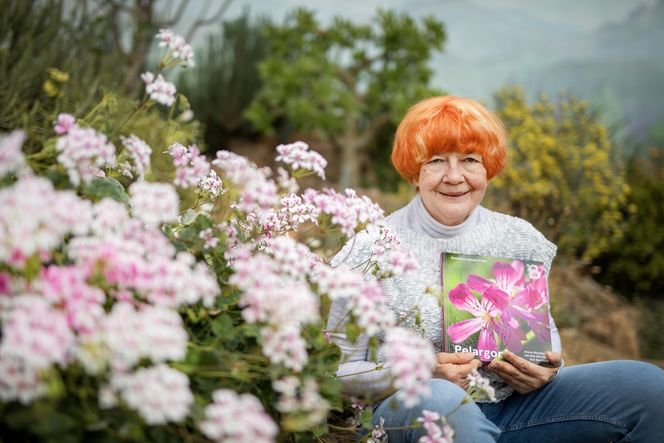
(222, 326)
(366, 417)
(188, 216)
(53, 423)
(352, 331)
(100, 188)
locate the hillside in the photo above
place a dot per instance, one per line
(595, 324)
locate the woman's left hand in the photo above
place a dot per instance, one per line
(525, 376)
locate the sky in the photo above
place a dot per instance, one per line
(586, 14)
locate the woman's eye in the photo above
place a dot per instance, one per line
(436, 160)
(471, 160)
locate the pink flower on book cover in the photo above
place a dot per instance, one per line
(511, 298)
(524, 299)
(487, 311)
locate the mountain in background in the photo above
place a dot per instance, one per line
(619, 67)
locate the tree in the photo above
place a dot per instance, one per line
(560, 174)
(344, 81)
(225, 79)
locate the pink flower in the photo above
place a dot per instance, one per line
(257, 192)
(298, 156)
(179, 47)
(211, 185)
(480, 387)
(36, 333)
(83, 304)
(35, 218)
(285, 346)
(152, 332)
(154, 203)
(83, 152)
(516, 300)
(193, 169)
(237, 418)
(5, 284)
(11, 156)
(19, 380)
(159, 89)
(487, 321)
(349, 211)
(64, 123)
(411, 361)
(139, 152)
(159, 394)
(438, 431)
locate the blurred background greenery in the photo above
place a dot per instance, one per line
(578, 87)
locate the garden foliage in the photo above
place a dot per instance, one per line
(190, 306)
(344, 80)
(561, 174)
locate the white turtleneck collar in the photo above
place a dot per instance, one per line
(419, 220)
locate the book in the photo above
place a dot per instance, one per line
(491, 304)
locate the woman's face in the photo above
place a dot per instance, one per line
(452, 185)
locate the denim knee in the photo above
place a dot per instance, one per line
(447, 399)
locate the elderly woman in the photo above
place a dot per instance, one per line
(450, 148)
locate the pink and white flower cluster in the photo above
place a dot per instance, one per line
(298, 156)
(160, 394)
(154, 203)
(35, 218)
(159, 89)
(350, 212)
(297, 396)
(152, 332)
(438, 431)
(193, 169)
(237, 418)
(66, 286)
(366, 300)
(82, 151)
(258, 193)
(139, 152)
(58, 316)
(479, 387)
(276, 294)
(11, 156)
(294, 211)
(177, 44)
(411, 361)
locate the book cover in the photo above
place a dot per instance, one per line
(491, 304)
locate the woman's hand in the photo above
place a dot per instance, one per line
(455, 367)
(525, 376)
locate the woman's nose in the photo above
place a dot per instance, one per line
(453, 174)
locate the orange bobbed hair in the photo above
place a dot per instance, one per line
(448, 124)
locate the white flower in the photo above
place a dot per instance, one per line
(298, 156)
(159, 89)
(35, 333)
(11, 157)
(154, 203)
(83, 152)
(153, 332)
(237, 418)
(177, 44)
(160, 394)
(411, 361)
(139, 152)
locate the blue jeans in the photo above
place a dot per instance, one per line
(598, 402)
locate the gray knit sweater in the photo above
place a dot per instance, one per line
(484, 232)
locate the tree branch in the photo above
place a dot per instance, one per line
(176, 18)
(200, 22)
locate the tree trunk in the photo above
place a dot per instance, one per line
(351, 154)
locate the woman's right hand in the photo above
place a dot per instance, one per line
(455, 367)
